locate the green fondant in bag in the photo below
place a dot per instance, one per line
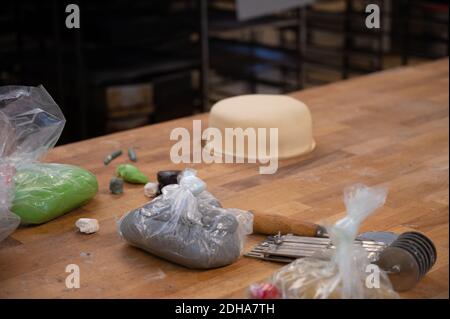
(46, 191)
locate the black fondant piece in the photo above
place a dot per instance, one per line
(167, 178)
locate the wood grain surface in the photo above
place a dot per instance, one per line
(389, 129)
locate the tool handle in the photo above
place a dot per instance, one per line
(271, 224)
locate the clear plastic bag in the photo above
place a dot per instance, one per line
(344, 273)
(30, 124)
(44, 191)
(187, 225)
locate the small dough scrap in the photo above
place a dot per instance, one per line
(131, 174)
(151, 189)
(87, 225)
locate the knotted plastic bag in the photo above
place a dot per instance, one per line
(347, 273)
(8, 220)
(30, 125)
(187, 225)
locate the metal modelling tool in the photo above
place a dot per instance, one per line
(287, 248)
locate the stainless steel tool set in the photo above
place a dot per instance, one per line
(287, 248)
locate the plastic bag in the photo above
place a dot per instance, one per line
(30, 125)
(8, 221)
(188, 226)
(45, 191)
(345, 272)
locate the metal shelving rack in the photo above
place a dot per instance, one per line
(251, 57)
(161, 53)
(120, 43)
(425, 25)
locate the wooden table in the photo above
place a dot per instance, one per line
(386, 129)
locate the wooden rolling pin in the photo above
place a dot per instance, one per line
(271, 224)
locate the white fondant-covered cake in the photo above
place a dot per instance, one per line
(261, 112)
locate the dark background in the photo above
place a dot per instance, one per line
(138, 62)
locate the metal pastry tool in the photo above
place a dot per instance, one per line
(287, 248)
(408, 259)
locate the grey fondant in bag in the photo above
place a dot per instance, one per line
(188, 226)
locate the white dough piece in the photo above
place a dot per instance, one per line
(151, 189)
(290, 116)
(87, 225)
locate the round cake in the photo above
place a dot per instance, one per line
(262, 112)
